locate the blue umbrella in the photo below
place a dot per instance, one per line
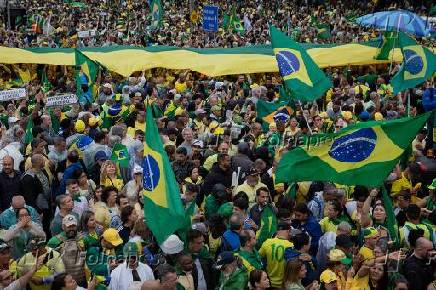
(397, 20)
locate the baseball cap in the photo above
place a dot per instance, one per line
(198, 143)
(172, 245)
(100, 156)
(223, 259)
(369, 232)
(112, 236)
(35, 243)
(69, 220)
(337, 255)
(328, 276)
(80, 126)
(343, 241)
(130, 249)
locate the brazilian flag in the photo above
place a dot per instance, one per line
(387, 44)
(120, 155)
(419, 64)
(301, 75)
(156, 14)
(268, 225)
(163, 209)
(270, 111)
(323, 31)
(28, 137)
(363, 154)
(89, 69)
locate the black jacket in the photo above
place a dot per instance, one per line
(418, 272)
(30, 187)
(209, 273)
(217, 175)
(8, 188)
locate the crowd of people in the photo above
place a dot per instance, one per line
(127, 22)
(71, 177)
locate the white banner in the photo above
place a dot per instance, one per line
(13, 94)
(86, 33)
(61, 100)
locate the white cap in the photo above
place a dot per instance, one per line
(172, 245)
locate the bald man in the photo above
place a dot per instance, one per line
(9, 218)
(418, 268)
(9, 182)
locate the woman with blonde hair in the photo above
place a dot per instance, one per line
(109, 175)
(294, 272)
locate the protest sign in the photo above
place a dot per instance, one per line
(61, 100)
(210, 18)
(13, 94)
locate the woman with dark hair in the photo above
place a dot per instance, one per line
(91, 231)
(331, 221)
(259, 280)
(87, 186)
(106, 208)
(294, 272)
(128, 218)
(65, 281)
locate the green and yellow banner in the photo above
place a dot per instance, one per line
(126, 60)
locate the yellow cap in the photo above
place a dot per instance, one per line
(378, 116)
(328, 276)
(94, 121)
(80, 126)
(347, 115)
(112, 236)
(370, 232)
(179, 111)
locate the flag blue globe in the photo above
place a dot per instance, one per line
(414, 63)
(354, 147)
(151, 173)
(288, 62)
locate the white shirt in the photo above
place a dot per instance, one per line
(122, 278)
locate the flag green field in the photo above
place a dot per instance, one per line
(419, 64)
(163, 209)
(305, 80)
(363, 154)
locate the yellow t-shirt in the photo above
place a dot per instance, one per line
(327, 225)
(249, 190)
(367, 253)
(273, 250)
(180, 87)
(138, 126)
(360, 283)
(118, 183)
(51, 267)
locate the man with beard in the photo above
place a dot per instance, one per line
(71, 250)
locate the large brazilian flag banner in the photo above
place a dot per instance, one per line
(163, 210)
(363, 154)
(126, 60)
